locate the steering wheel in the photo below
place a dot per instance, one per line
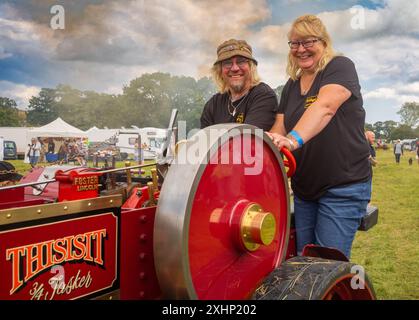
(289, 162)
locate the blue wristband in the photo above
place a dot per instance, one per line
(297, 137)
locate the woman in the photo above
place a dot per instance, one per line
(321, 119)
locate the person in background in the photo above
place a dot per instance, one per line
(371, 139)
(321, 120)
(417, 151)
(34, 152)
(144, 147)
(51, 145)
(398, 150)
(43, 151)
(63, 152)
(370, 136)
(242, 97)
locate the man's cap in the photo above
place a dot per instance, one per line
(233, 47)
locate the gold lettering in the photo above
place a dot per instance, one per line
(43, 255)
(14, 255)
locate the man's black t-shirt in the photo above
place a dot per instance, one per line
(338, 155)
(259, 108)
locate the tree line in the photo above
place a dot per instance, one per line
(147, 102)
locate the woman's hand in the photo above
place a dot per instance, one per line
(280, 141)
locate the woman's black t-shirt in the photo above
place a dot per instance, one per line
(338, 155)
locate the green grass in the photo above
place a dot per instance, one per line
(390, 251)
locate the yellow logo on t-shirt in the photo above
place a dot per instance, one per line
(309, 101)
(240, 118)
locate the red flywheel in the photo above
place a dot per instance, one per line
(222, 220)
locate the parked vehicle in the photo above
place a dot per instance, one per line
(9, 150)
(19, 136)
(409, 144)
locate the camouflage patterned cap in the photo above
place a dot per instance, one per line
(233, 47)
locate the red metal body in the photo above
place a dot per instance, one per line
(49, 192)
(113, 249)
(127, 237)
(77, 184)
(23, 197)
(139, 196)
(137, 272)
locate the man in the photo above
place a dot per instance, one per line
(371, 139)
(51, 145)
(398, 150)
(242, 98)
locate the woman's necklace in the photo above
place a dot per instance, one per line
(305, 91)
(230, 103)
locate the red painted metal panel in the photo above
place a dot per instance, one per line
(59, 260)
(77, 184)
(138, 278)
(11, 195)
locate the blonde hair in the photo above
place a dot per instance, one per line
(306, 26)
(217, 75)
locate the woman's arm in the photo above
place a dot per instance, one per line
(319, 114)
(314, 119)
(279, 126)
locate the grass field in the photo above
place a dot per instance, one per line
(389, 251)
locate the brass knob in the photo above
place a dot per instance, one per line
(257, 227)
(150, 190)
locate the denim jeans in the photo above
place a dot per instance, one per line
(332, 220)
(33, 160)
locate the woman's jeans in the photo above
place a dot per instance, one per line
(332, 220)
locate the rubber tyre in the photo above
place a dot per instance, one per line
(308, 278)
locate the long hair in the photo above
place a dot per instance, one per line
(310, 26)
(216, 71)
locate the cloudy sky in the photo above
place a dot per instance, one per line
(105, 43)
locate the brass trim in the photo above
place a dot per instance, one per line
(22, 214)
(155, 179)
(113, 295)
(257, 227)
(150, 186)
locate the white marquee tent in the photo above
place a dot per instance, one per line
(56, 129)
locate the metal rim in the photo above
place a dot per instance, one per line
(341, 290)
(171, 229)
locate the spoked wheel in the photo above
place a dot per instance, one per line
(308, 278)
(222, 221)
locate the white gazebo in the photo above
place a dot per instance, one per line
(56, 129)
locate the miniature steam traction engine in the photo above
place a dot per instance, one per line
(214, 224)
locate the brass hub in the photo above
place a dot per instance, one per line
(257, 227)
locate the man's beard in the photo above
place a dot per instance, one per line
(237, 88)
